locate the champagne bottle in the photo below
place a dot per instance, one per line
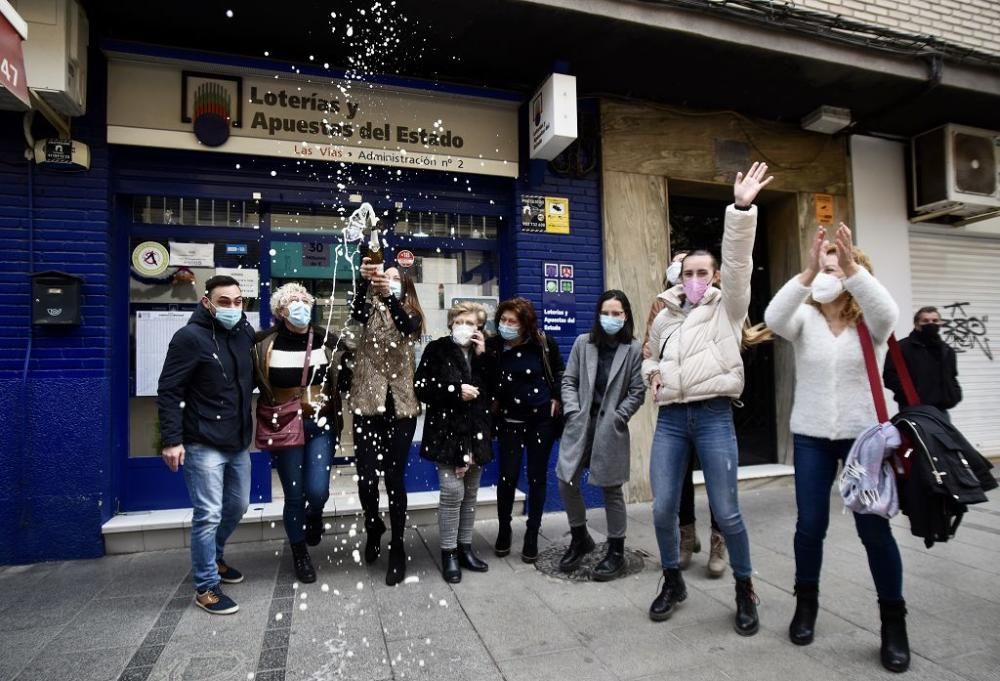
(375, 254)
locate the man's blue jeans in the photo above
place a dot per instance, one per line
(816, 462)
(219, 486)
(707, 427)
(305, 478)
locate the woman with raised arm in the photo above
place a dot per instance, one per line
(818, 312)
(696, 371)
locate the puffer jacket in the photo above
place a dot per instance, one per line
(696, 352)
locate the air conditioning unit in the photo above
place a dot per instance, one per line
(55, 53)
(956, 172)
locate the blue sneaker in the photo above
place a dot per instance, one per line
(215, 602)
(228, 574)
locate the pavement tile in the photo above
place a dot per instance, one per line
(449, 656)
(18, 648)
(578, 664)
(90, 665)
(517, 624)
(107, 623)
(337, 653)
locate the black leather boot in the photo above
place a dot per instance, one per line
(673, 592)
(468, 559)
(803, 626)
(613, 564)
(579, 546)
(895, 643)
(746, 622)
(502, 547)
(373, 545)
(397, 563)
(451, 569)
(529, 550)
(314, 529)
(304, 570)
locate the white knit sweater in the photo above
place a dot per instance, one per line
(833, 399)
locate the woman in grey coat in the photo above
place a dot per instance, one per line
(601, 389)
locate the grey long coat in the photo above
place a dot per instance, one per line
(609, 458)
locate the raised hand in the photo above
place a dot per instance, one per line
(368, 270)
(746, 188)
(845, 250)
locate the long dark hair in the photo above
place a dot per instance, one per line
(598, 336)
(526, 315)
(410, 301)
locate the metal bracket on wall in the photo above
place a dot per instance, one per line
(60, 122)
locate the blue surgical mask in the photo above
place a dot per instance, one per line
(228, 316)
(509, 333)
(299, 313)
(396, 288)
(612, 325)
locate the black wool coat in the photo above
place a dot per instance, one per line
(455, 432)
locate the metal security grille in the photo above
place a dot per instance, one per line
(958, 275)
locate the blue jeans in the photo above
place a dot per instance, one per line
(305, 478)
(816, 462)
(219, 486)
(707, 427)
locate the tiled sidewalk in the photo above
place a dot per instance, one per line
(131, 617)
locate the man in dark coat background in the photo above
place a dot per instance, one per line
(932, 364)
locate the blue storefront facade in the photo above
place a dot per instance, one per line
(77, 429)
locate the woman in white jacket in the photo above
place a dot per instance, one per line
(818, 312)
(696, 370)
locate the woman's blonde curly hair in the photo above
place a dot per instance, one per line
(852, 311)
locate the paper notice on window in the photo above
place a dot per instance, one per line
(191, 255)
(248, 279)
(153, 331)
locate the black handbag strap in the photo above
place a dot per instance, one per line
(305, 366)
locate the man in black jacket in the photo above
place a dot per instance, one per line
(931, 363)
(206, 426)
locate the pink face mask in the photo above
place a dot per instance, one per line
(694, 289)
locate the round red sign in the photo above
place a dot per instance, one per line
(404, 259)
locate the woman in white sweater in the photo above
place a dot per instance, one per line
(818, 311)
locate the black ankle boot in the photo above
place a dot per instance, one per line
(314, 530)
(502, 547)
(803, 625)
(304, 570)
(895, 643)
(529, 551)
(468, 559)
(579, 546)
(451, 569)
(673, 592)
(746, 623)
(397, 563)
(613, 564)
(373, 544)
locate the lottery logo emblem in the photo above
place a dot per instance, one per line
(150, 258)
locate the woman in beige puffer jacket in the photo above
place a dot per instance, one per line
(695, 370)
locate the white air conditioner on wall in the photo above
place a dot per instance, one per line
(55, 53)
(955, 172)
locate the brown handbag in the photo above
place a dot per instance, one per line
(280, 426)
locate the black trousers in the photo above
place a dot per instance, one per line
(381, 449)
(686, 514)
(535, 438)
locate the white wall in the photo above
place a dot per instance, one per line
(882, 229)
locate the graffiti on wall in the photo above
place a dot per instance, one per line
(964, 333)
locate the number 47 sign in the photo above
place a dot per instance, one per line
(12, 62)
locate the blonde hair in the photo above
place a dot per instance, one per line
(852, 311)
(467, 307)
(280, 296)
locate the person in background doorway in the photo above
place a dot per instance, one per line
(527, 391)
(384, 404)
(932, 364)
(690, 543)
(279, 358)
(695, 372)
(601, 389)
(206, 426)
(818, 312)
(454, 380)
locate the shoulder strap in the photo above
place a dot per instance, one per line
(546, 362)
(903, 371)
(874, 380)
(305, 366)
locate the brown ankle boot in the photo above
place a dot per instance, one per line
(689, 545)
(717, 555)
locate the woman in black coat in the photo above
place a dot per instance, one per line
(453, 379)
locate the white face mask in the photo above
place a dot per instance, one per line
(826, 288)
(462, 334)
(674, 273)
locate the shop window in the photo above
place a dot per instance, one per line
(308, 220)
(176, 210)
(458, 225)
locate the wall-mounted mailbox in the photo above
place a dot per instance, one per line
(56, 298)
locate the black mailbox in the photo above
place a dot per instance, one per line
(55, 298)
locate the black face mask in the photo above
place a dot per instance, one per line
(930, 333)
